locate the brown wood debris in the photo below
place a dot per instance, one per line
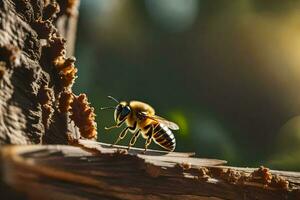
(45, 97)
(68, 7)
(44, 28)
(203, 174)
(66, 70)
(263, 175)
(65, 100)
(50, 10)
(83, 116)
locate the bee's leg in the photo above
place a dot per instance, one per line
(149, 139)
(115, 126)
(133, 139)
(121, 135)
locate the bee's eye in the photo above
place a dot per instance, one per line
(125, 111)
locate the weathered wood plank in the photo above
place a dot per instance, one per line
(93, 170)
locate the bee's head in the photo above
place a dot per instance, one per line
(121, 112)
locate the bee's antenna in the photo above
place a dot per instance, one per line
(106, 108)
(112, 98)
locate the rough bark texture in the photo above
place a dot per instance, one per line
(29, 86)
(96, 171)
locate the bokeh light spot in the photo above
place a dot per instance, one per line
(179, 118)
(173, 15)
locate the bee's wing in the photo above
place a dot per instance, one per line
(161, 120)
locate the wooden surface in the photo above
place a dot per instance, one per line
(91, 170)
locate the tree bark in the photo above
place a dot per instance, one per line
(30, 38)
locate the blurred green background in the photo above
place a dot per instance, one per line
(228, 72)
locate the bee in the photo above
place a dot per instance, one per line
(140, 118)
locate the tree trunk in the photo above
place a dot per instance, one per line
(31, 38)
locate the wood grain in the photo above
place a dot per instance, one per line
(92, 170)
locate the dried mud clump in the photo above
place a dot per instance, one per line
(64, 101)
(183, 166)
(231, 176)
(83, 116)
(203, 174)
(186, 165)
(261, 175)
(50, 11)
(56, 46)
(66, 70)
(45, 99)
(55, 53)
(244, 178)
(264, 176)
(279, 182)
(44, 28)
(68, 7)
(216, 172)
(228, 175)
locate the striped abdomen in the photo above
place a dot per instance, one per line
(164, 137)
